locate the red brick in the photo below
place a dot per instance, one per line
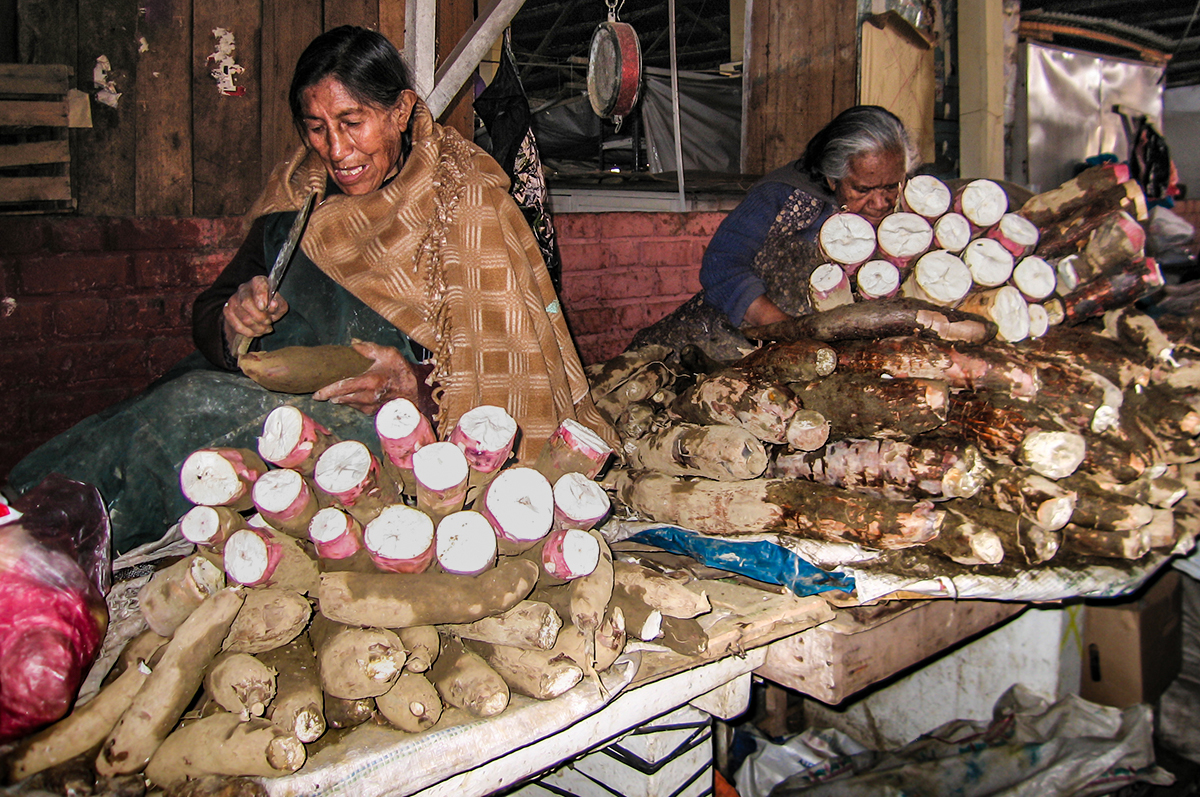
(703, 225)
(627, 284)
(153, 312)
(22, 235)
(163, 232)
(202, 269)
(83, 317)
(576, 226)
(678, 281)
(23, 318)
(580, 257)
(590, 322)
(162, 353)
(22, 365)
(672, 252)
(73, 273)
(619, 252)
(77, 234)
(14, 421)
(158, 269)
(72, 363)
(583, 287)
(601, 348)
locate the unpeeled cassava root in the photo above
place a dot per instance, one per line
(159, 704)
(302, 369)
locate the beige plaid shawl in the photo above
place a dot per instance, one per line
(444, 254)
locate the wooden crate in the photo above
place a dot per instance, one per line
(35, 152)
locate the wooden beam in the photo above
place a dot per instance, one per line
(34, 78)
(35, 152)
(458, 66)
(35, 189)
(26, 113)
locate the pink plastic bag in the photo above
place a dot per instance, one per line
(55, 566)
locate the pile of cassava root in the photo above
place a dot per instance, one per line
(945, 411)
(442, 576)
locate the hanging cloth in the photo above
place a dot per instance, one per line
(504, 109)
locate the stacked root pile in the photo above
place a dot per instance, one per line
(442, 576)
(1003, 407)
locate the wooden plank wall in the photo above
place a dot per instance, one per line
(174, 145)
(803, 71)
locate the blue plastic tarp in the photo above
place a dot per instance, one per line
(761, 560)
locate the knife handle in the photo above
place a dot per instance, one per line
(240, 345)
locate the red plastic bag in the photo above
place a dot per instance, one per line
(55, 566)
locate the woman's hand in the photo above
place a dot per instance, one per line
(763, 311)
(249, 312)
(390, 376)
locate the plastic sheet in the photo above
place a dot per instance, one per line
(1030, 748)
(54, 569)
(758, 559)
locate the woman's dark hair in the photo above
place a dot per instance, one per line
(853, 132)
(362, 60)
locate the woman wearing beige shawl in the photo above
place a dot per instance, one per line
(415, 254)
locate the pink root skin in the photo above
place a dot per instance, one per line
(416, 564)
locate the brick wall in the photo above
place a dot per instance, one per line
(93, 309)
(624, 271)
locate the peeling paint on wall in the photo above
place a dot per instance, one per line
(225, 68)
(106, 90)
(8, 306)
(143, 45)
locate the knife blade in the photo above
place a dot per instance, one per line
(282, 261)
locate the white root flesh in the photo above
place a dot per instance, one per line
(1017, 234)
(285, 499)
(291, 439)
(983, 202)
(904, 236)
(344, 468)
(520, 505)
(1054, 455)
(209, 526)
(877, 279)
(990, 263)
(485, 434)
(1006, 306)
(402, 430)
(927, 196)
(249, 558)
(570, 554)
(221, 477)
(465, 543)
(1039, 320)
(441, 471)
(579, 502)
(847, 238)
(829, 287)
(1035, 279)
(938, 277)
(335, 533)
(952, 232)
(400, 539)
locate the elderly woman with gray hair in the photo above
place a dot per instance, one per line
(750, 272)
